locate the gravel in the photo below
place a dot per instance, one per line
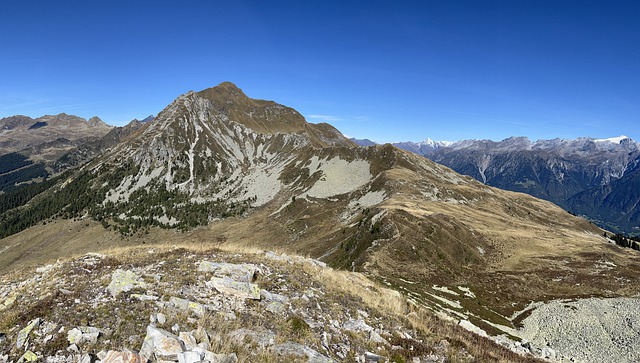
(587, 330)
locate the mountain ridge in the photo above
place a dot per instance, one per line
(564, 171)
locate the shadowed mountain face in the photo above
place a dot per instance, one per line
(254, 173)
(615, 205)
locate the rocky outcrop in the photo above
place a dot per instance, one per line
(198, 308)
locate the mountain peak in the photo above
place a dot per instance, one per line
(95, 121)
(224, 91)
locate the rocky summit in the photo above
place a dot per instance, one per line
(217, 168)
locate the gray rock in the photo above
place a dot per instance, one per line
(23, 335)
(262, 339)
(122, 281)
(227, 286)
(372, 357)
(376, 338)
(275, 257)
(357, 326)
(587, 330)
(201, 335)
(188, 305)
(274, 303)
(268, 296)
(220, 358)
(548, 353)
(74, 336)
(240, 272)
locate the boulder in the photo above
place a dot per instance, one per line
(188, 340)
(161, 343)
(227, 286)
(245, 272)
(122, 281)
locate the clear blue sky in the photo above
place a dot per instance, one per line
(384, 70)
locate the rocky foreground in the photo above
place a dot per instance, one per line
(175, 305)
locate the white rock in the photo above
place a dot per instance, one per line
(190, 357)
(188, 340)
(161, 318)
(161, 343)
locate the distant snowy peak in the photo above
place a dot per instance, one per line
(436, 144)
(580, 145)
(615, 140)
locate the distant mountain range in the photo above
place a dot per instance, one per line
(32, 150)
(596, 178)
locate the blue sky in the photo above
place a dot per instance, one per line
(383, 70)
